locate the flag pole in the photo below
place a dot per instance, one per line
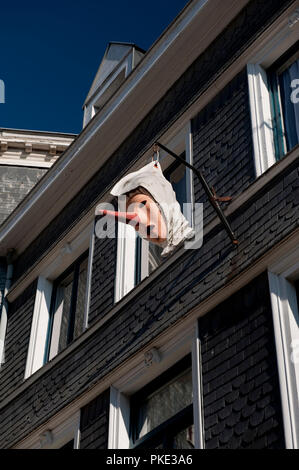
(213, 198)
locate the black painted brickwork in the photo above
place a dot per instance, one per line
(222, 143)
(241, 397)
(270, 216)
(94, 423)
(243, 30)
(103, 277)
(17, 339)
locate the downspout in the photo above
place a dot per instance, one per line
(3, 320)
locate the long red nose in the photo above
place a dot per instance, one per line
(125, 217)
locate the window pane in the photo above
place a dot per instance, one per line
(177, 177)
(154, 256)
(164, 403)
(67, 315)
(290, 108)
(65, 295)
(80, 305)
(184, 439)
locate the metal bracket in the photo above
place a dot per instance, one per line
(213, 198)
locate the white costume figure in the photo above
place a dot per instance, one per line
(150, 181)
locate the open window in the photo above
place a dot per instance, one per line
(66, 321)
(284, 79)
(61, 302)
(136, 257)
(273, 79)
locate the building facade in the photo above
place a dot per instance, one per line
(106, 345)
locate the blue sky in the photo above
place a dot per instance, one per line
(50, 52)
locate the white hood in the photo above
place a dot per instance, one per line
(151, 178)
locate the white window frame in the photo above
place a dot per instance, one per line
(173, 348)
(41, 311)
(286, 320)
(126, 244)
(259, 96)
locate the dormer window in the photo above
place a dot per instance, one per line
(118, 62)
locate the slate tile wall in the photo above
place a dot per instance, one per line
(222, 144)
(189, 281)
(241, 396)
(224, 50)
(94, 423)
(103, 276)
(17, 340)
(15, 183)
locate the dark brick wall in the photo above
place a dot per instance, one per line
(241, 396)
(15, 183)
(222, 143)
(102, 281)
(16, 342)
(243, 30)
(103, 276)
(94, 423)
(271, 215)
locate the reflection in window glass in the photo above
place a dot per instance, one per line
(165, 403)
(283, 76)
(79, 317)
(162, 412)
(64, 297)
(184, 439)
(67, 311)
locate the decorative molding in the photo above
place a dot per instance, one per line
(28, 147)
(32, 148)
(153, 356)
(55, 433)
(3, 145)
(294, 18)
(46, 438)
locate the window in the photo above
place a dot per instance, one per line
(162, 412)
(60, 312)
(148, 255)
(283, 79)
(273, 81)
(66, 321)
(136, 257)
